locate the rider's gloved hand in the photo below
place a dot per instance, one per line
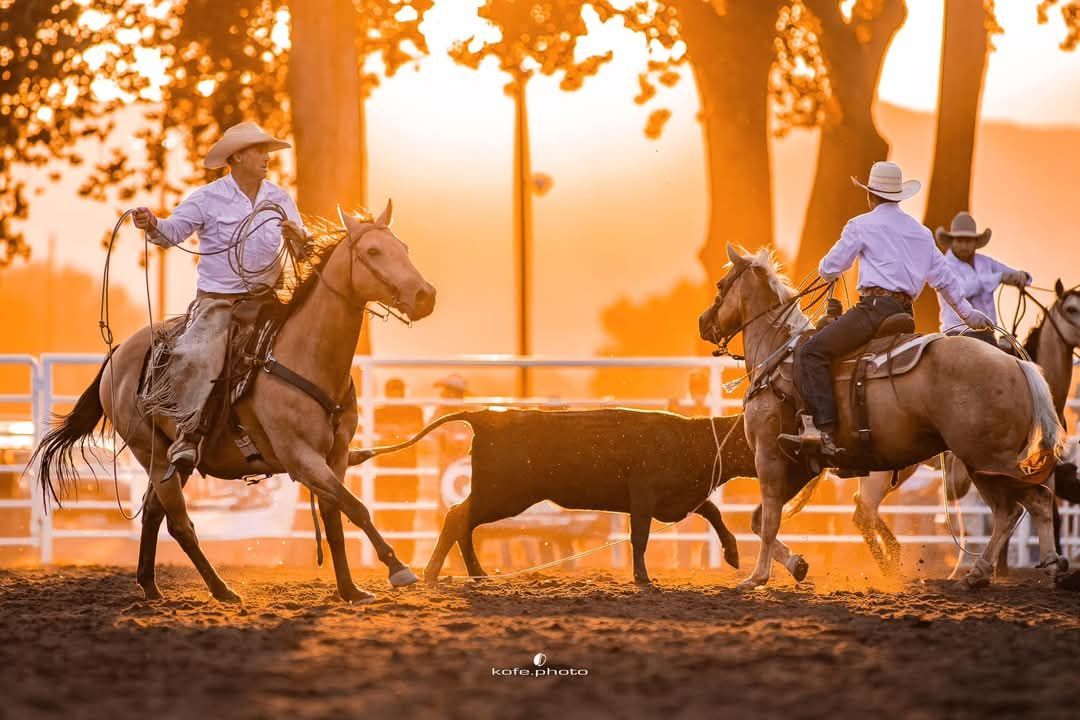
(144, 219)
(295, 236)
(977, 320)
(1019, 278)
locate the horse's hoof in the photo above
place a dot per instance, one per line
(403, 577)
(644, 583)
(226, 595)
(152, 592)
(748, 584)
(431, 579)
(356, 596)
(799, 567)
(970, 583)
(732, 557)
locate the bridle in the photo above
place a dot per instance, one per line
(388, 310)
(787, 306)
(1049, 315)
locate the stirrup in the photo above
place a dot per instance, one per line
(184, 455)
(810, 441)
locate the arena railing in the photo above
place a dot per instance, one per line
(45, 400)
(17, 445)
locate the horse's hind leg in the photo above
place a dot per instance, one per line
(872, 491)
(171, 493)
(1005, 511)
(153, 514)
(1039, 501)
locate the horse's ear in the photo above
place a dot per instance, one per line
(347, 221)
(387, 215)
(734, 256)
(1059, 288)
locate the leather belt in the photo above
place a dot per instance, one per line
(871, 291)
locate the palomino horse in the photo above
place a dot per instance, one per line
(966, 396)
(1052, 344)
(292, 431)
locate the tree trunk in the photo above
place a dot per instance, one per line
(327, 111)
(964, 49)
(850, 141)
(731, 55)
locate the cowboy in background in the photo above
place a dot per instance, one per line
(897, 258)
(979, 275)
(214, 211)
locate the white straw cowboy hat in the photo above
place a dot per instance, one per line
(887, 181)
(238, 137)
(963, 225)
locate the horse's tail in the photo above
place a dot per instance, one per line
(1047, 434)
(356, 457)
(54, 454)
(795, 505)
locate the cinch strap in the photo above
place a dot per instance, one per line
(333, 409)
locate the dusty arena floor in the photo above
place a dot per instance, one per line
(79, 643)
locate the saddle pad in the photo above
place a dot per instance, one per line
(889, 356)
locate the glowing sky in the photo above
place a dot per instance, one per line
(440, 141)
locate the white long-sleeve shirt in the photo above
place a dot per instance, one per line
(214, 211)
(978, 283)
(896, 252)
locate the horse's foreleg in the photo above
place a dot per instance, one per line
(772, 474)
(171, 493)
(335, 533)
(335, 539)
(794, 563)
(313, 471)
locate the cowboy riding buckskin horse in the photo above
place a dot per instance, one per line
(300, 413)
(994, 412)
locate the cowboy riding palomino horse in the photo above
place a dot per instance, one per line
(1052, 344)
(992, 411)
(292, 429)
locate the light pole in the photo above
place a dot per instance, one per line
(522, 231)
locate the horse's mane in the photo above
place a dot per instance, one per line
(1031, 344)
(766, 260)
(298, 279)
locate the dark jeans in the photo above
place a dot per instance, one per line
(813, 360)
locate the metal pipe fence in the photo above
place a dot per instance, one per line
(42, 400)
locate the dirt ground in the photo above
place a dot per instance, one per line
(79, 642)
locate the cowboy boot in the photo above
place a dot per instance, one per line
(810, 441)
(184, 453)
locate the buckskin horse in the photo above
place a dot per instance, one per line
(994, 412)
(303, 432)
